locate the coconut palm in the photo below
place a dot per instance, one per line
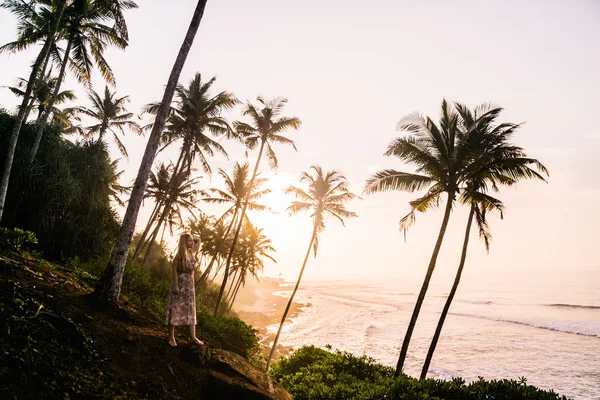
(440, 155)
(196, 121)
(265, 129)
(109, 285)
(236, 190)
(180, 195)
(254, 248)
(43, 92)
(326, 196)
(28, 34)
(116, 189)
(499, 164)
(88, 36)
(111, 115)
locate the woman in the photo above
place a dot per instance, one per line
(182, 298)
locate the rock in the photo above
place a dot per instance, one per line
(230, 376)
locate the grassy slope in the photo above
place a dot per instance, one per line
(55, 344)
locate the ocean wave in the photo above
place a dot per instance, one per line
(483, 302)
(573, 327)
(573, 306)
(371, 330)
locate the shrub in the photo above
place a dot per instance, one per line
(16, 238)
(313, 373)
(229, 333)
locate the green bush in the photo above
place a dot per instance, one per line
(313, 373)
(229, 333)
(64, 196)
(16, 238)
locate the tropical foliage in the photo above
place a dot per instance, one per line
(311, 373)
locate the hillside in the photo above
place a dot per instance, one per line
(56, 344)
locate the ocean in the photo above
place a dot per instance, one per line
(549, 336)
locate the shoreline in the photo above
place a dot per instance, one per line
(261, 306)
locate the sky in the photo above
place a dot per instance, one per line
(351, 70)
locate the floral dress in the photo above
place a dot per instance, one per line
(181, 308)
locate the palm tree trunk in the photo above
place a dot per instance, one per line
(23, 109)
(289, 304)
(438, 329)
(109, 286)
(50, 105)
(239, 228)
(421, 298)
(41, 75)
(234, 295)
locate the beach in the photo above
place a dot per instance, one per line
(262, 305)
(494, 333)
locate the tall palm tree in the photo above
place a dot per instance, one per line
(254, 248)
(265, 129)
(108, 288)
(87, 38)
(111, 115)
(28, 36)
(196, 120)
(327, 195)
(157, 189)
(499, 164)
(236, 190)
(440, 155)
(180, 194)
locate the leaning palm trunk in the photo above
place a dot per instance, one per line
(44, 118)
(24, 108)
(235, 292)
(442, 319)
(289, 304)
(239, 228)
(109, 286)
(421, 298)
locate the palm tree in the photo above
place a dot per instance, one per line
(157, 189)
(180, 194)
(27, 36)
(254, 247)
(266, 128)
(87, 38)
(327, 193)
(440, 155)
(500, 164)
(111, 114)
(42, 95)
(116, 188)
(236, 190)
(194, 118)
(109, 285)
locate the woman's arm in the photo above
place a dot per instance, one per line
(175, 277)
(196, 245)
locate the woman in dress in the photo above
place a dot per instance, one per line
(181, 308)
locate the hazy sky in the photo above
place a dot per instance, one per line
(350, 70)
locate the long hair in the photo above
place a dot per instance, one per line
(180, 259)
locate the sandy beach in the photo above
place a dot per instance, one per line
(262, 305)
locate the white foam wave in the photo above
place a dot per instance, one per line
(574, 327)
